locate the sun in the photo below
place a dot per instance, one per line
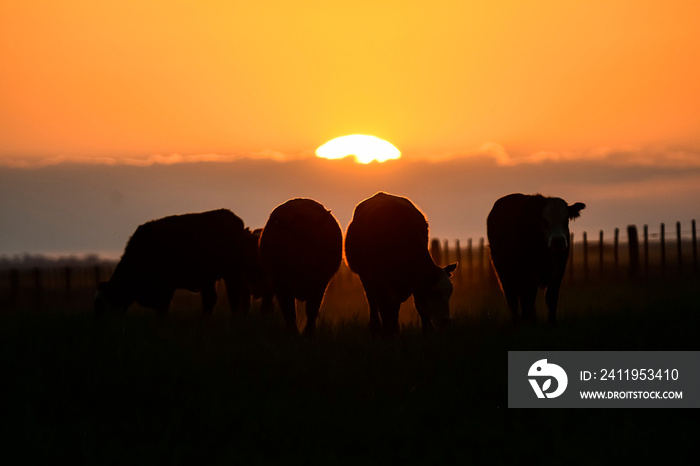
(365, 149)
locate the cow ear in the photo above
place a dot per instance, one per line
(449, 269)
(575, 210)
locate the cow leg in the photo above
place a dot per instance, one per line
(164, 302)
(528, 295)
(268, 304)
(208, 298)
(288, 305)
(512, 299)
(243, 299)
(375, 324)
(551, 297)
(390, 317)
(426, 323)
(238, 295)
(313, 305)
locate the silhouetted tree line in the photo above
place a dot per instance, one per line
(28, 261)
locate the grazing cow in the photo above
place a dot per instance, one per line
(387, 246)
(191, 252)
(529, 241)
(301, 248)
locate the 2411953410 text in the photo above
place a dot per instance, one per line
(630, 374)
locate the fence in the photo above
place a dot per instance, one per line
(62, 287)
(629, 256)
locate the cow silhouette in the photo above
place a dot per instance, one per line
(387, 246)
(190, 251)
(301, 248)
(529, 241)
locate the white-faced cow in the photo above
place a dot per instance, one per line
(301, 248)
(191, 252)
(387, 246)
(529, 241)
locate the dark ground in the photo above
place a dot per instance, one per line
(138, 389)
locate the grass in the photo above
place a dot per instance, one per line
(138, 389)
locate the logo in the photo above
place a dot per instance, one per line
(546, 372)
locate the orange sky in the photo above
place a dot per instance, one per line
(133, 78)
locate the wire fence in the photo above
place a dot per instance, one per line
(632, 254)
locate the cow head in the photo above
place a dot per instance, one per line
(555, 222)
(433, 301)
(106, 300)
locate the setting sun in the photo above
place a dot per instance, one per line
(365, 149)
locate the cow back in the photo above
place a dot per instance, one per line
(301, 237)
(515, 219)
(184, 248)
(386, 231)
(516, 239)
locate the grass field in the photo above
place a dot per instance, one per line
(138, 389)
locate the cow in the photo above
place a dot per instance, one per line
(301, 248)
(529, 241)
(386, 244)
(190, 251)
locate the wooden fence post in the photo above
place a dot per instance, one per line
(470, 258)
(571, 257)
(482, 272)
(679, 247)
(663, 247)
(458, 254)
(435, 251)
(585, 255)
(67, 274)
(14, 287)
(446, 253)
(36, 277)
(695, 246)
(600, 253)
(633, 242)
(646, 250)
(97, 275)
(616, 250)
(38, 287)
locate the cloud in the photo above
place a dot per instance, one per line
(498, 153)
(622, 156)
(150, 160)
(616, 156)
